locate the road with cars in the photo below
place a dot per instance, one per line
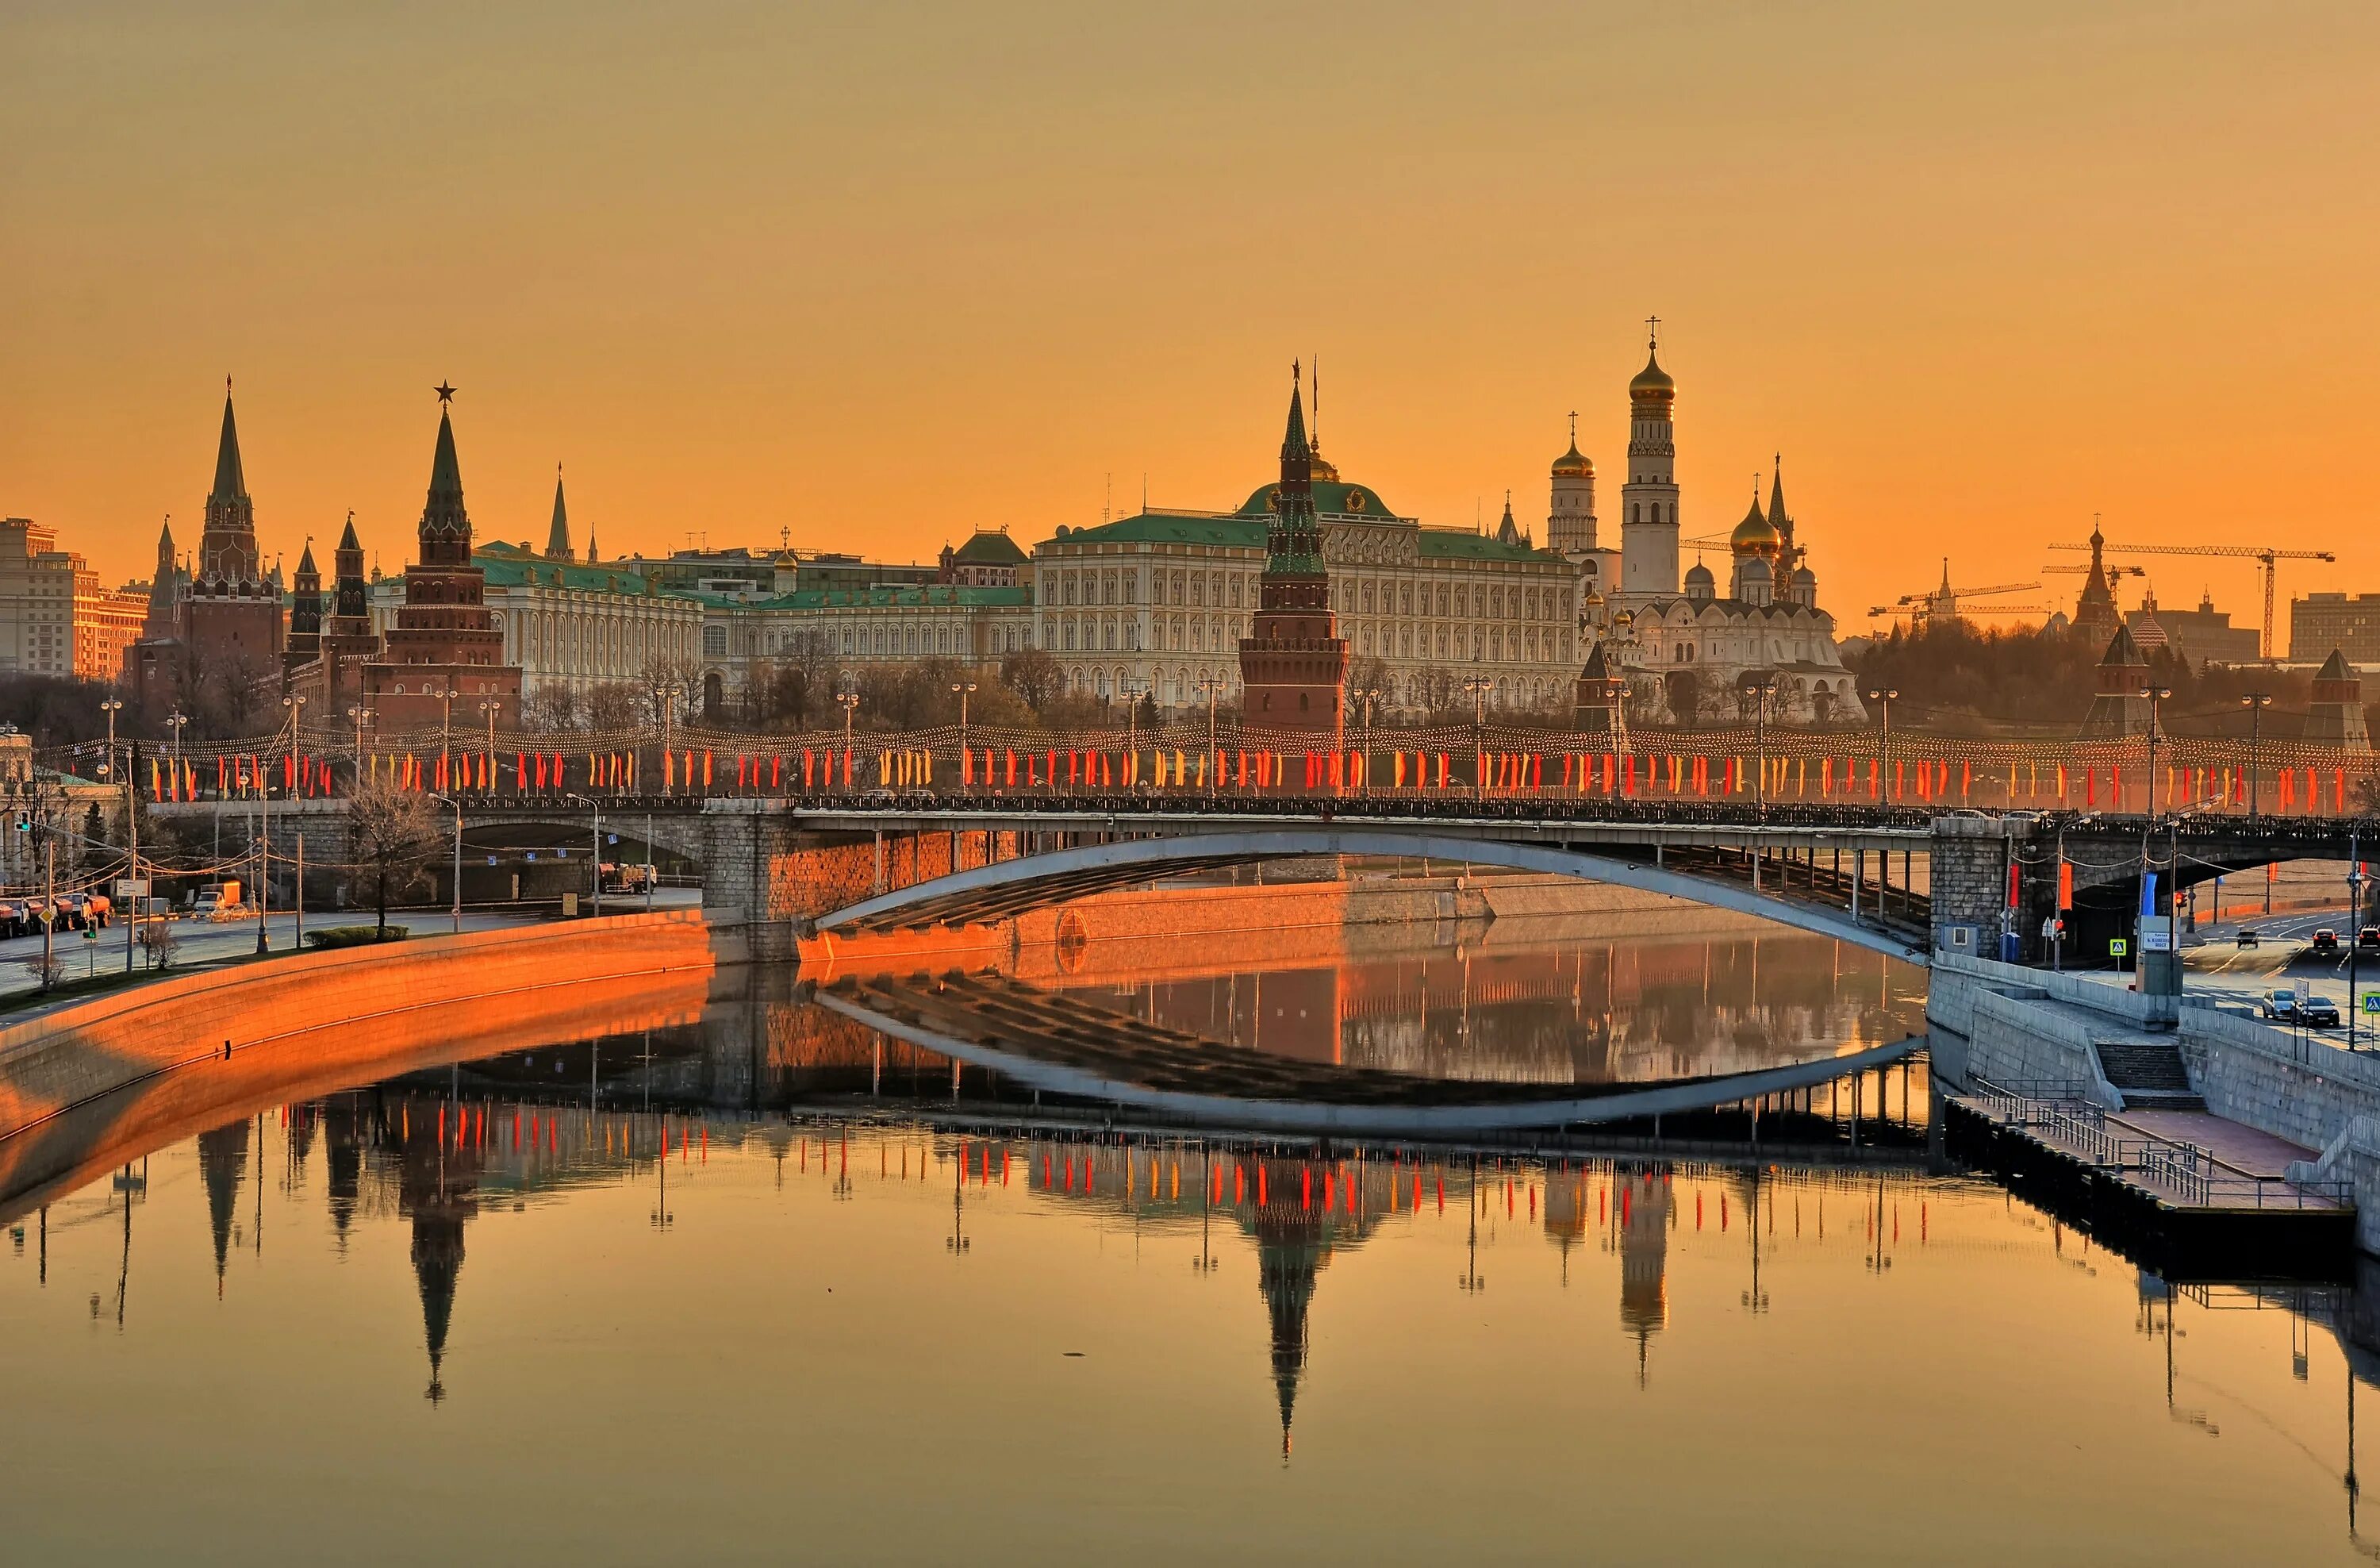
(2283, 955)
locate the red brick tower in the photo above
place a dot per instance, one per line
(1293, 664)
(232, 621)
(444, 641)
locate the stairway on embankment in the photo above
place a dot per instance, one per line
(2148, 1075)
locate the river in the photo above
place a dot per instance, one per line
(758, 1286)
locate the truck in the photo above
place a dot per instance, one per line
(217, 901)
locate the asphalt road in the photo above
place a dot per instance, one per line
(2282, 957)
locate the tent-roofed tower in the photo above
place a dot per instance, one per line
(1294, 662)
(2094, 612)
(2118, 710)
(2337, 716)
(444, 647)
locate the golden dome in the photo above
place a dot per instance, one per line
(1574, 463)
(1653, 383)
(1756, 535)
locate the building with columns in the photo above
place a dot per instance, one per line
(1158, 602)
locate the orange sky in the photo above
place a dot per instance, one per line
(875, 275)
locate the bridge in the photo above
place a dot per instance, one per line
(1893, 879)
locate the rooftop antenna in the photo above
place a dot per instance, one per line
(1107, 508)
(1144, 498)
(1315, 441)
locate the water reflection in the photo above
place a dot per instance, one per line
(1548, 1008)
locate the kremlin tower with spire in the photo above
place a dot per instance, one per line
(443, 651)
(1294, 662)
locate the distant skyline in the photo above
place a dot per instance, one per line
(881, 276)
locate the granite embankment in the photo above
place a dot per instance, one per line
(2025, 1028)
(187, 1044)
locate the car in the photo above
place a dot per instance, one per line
(2368, 939)
(2318, 1013)
(2280, 1005)
(2246, 938)
(2325, 939)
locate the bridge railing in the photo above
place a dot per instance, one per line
(1836, 770)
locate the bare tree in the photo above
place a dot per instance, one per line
(391, 835)
(615, 705)
(1033, 675)
(555, 707)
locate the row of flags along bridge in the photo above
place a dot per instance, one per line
(1502, 775)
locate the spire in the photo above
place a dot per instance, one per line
(1293, 444)
(446, 531)
(348, 540)
(557, 538)
(1507, 530)
(230, 482)
(1776, 498)
(307, 570)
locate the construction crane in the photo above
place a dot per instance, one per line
(1923, 611)
(2112, 571)
(2264, 557)
(1944, 601)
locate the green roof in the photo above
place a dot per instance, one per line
(1329, 497)
(509, 565)
(892, 595)
(989, 548)
(1451, 544)
(1171, 528)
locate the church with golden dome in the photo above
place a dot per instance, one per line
(1685, 648)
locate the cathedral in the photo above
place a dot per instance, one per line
(1685, 649)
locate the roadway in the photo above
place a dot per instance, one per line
(2283, 955)
(206, 942)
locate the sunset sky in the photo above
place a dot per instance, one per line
(869, 277)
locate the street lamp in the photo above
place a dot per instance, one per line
(359, 717)
(2255, 703)
(1885, 695)
(1760, 688)
(1370, 697)
(490, 706)
(1210, 685)
(849, 698)
(596, 807)
(2155, 696)
(175, 721)
(131, 831)
(2354, 925)
(1478, 687)
(963, 690)
(457, 804)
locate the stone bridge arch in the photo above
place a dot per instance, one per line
(998, 890)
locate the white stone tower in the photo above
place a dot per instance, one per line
(1648, 501)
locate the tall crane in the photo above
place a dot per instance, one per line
(2259, 554)
(1944, 602)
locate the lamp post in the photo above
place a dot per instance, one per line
(131, 829)
(1370, 697)
(1883, 695)
(175, 721)
(457, 804)
(446, 695)
(2155, 696)
(596, 807)
(1478, 687)
(1210, 685)
(360, 717)
(1760, 688)
(849, 698)
(2255, 703)
(490, 706)
(2354, 924)
(963, 690)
